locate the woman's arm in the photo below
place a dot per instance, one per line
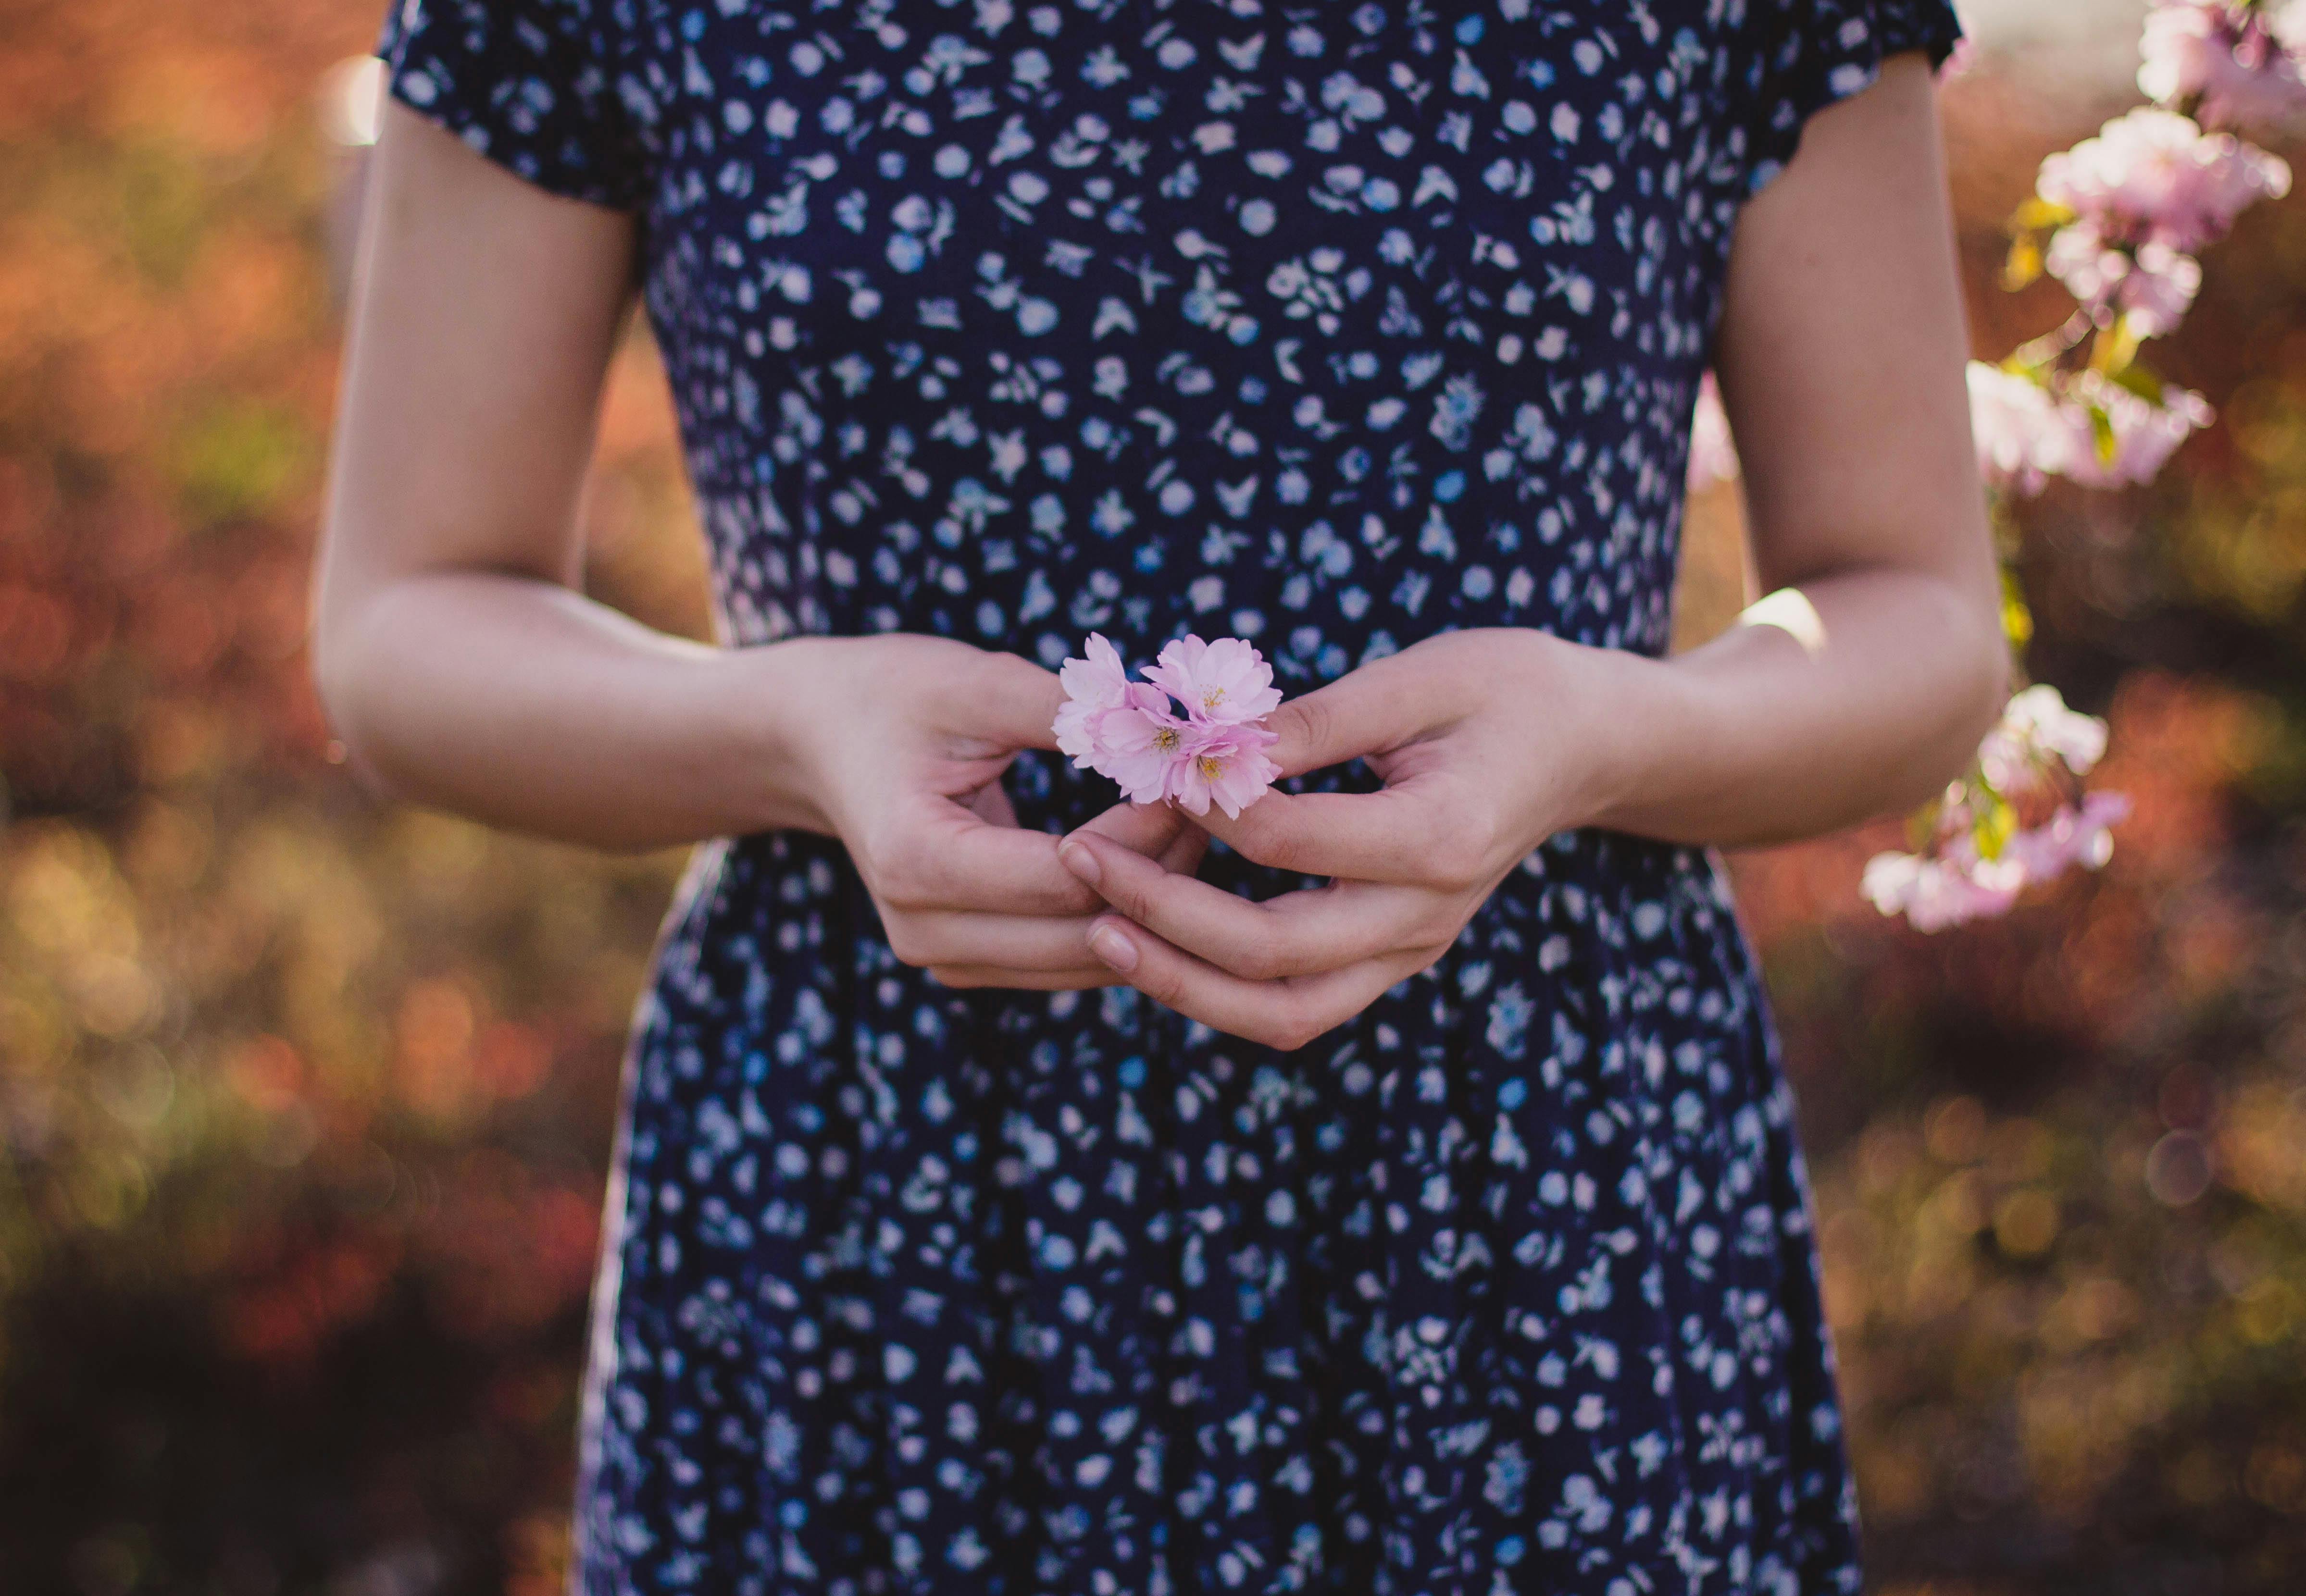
(464, 671)
(1863, 681)
(456, 661)
(1860, 685)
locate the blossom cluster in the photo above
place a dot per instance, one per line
(1214, 753)
(1982, 850)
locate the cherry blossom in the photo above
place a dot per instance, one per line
(2037, 726)
(1935, 894)
(1140, 748)
(1225, 683)
(1126, 730)
(2075, 835)
(2152, 174)
(1224, 763)
(2238, 67)
(2118, 437)
(2021, 439)
(2153, 286)
(1093, 684)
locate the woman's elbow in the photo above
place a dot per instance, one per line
(1974, 666)
(345, 678)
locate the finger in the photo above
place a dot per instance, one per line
(1411, 836)
(1018, 941)
(1005, 702)
(1280, 1014)
(1297, 933)
(1367, 711)
(1186, 850)
(1160, 832)
(1147, 829)
(1085, 977)
(932, 854)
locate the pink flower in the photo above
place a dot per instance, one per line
(2026, 432)
(1092, 685)
(1712, 456)
(2036, 728)
(1224, 763)
(1223, 683)
(2238, 68)
(1141, 748)
(1933, 893)
(2153, 287)
(2070, 837)
(1124, 730)
(1951, 885)
(2041, 718)
(2154, 175)
(2021, 437)
(2144, 435)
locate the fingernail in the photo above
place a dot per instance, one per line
(1114, 948)
(1079, 860)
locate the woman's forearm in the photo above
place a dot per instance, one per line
(1853, 696)
(513, 701)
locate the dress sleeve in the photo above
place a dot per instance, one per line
(1815, 52)
(527, 83)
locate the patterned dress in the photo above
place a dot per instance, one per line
(1331, 326)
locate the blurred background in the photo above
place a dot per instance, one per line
(305, 1102)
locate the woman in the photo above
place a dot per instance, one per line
(1011, 1197)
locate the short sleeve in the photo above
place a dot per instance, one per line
(1815, 52)
(524, 82)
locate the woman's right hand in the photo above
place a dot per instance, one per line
(896, 745)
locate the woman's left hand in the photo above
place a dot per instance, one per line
(1488, 742)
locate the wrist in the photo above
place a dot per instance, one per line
(767, 700)
(1616, 714)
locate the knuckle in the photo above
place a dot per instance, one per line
(1163, 987)
(1293, 1034)
(1262, 960)
(1306, 722)
(900, 872)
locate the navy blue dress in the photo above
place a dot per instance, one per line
(1328, 326)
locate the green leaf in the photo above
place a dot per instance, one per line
(2140, 380)
(2102, 434)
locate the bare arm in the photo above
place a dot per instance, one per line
(458, 663)
(464, 671)
(1868, 685)
(1860, 685)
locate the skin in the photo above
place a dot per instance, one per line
(464, 671)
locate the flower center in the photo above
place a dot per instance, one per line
(1212, 767)
(1165, 737)
(1212, 697)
